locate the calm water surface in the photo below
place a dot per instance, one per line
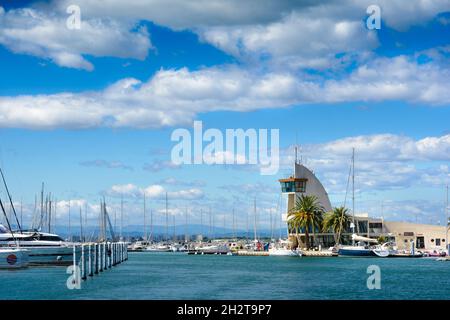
(179, 276)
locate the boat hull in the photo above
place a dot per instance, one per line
(50, 255)
(356, 253)
(13, 258)
(283, 253)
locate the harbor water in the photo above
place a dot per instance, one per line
(149, 275)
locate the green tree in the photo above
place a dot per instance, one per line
(336, 221)
(306, 214)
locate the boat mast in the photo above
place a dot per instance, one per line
(201, 222)
(234, 226)
(353, 190)
(49, 212)
(167, 219)
(7, 222)
(145, 222)
(151, 224)
(81, 225)
(70, 231)
(210, 224)
(121, 217)
(247, 225)
(447, 209)
(42, 207)
(254, 212)
(10, 201)
(85, 219)
(224, 223)
(186, 236)
(21, 211)
(174, 229)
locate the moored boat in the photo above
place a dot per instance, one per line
(42, 248)
(363, 249)
(13, 258)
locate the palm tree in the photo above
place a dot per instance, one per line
(336, 220)
(306, 214)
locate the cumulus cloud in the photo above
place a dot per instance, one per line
(383, 161)
(175, 97)
(99, 163)
(304, 34)
(45, 35)
(177, 182)
(154, 192)
(158, 165)
(300, 40)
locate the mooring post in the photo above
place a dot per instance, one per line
(109, 255)
(83, 263)
(90, 260)
(74, 260)
(116, 254)
(100, 247)
(105, 255)
(95, 258)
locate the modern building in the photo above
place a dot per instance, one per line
(304, 182)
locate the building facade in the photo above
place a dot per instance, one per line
(304, 182)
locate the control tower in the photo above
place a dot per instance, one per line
(303, 182)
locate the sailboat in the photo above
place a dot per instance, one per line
(12, 257)
(282, 247)
(361, 246)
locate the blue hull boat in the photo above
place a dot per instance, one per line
(356, 252)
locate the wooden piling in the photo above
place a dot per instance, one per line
(90, 261)
(100, 258)
(105, 256)
(83, 263)
(95, 258)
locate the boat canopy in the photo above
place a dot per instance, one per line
(365, 239)
(3, 229)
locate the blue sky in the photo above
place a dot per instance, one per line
(90, 111)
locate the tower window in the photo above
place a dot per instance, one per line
(293, 185)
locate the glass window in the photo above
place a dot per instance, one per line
(300, 186)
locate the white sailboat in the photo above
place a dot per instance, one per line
(361, 246)
(281, 248)
(12, 257)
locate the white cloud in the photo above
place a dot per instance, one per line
(158, 165)
(303, 34)
(175, 97)
(31, 31)
(383, 161)
(99, 163)
(299, 40)
(179, 14)
(154, 192)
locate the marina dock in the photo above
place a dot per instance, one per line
(252, 253)
(311, 253)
